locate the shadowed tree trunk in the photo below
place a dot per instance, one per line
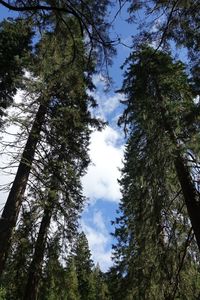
(183, 174)
(190, 196)
(31, 290)
(13, 204)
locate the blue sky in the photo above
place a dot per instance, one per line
(100, 183)
(106, 151)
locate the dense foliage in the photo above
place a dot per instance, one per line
(51, 51)
(155, 250)
(15, 45)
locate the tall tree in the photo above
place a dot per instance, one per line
(153, 227)
(15, 275)
(51, 16)
(50, 69)
(67, 137)
(178, 21)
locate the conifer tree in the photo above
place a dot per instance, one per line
(52, 282)
(15, 275)
(167, 21)
(50, 69)
(72, 281)
(153, 231)
(101, 287)
(84, 266)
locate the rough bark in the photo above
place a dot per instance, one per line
(13, 204)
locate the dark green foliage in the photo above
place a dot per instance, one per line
(65, 134)
(71, 284)
(2, 294)
(15, 47)
(89, 15)
(54, 276)
(168, 23)
(84, 265)
(101, 287)
(180, 22)
(155, 248)
(61, 125)
(59, 157)
(155, 255)
(15, 275)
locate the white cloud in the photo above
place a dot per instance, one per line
(109, 104)
(106, 154)
(98, 220)
(99, 80)
(99, 240)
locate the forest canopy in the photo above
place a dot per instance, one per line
(51, 52)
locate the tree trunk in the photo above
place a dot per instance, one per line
(31, 290)
(190, 196)
(12, 207)
(183, 173)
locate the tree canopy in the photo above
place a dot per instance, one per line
(50, 53)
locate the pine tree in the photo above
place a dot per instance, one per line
(15, 275)
(84, 266)
(51, 70)
(101, 287)
(179, 25)
(90, 17)
(71, 283)
(54, 274)
(180, 22)
(67, 136)
(153, 231)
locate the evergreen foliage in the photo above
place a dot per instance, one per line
(84, 265)
(42, 253)
(153, 230)
(15, 45)
(67, 142)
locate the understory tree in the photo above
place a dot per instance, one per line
(155, 250)
(84, 266)
(91, 283)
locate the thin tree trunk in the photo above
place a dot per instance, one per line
(31, 290)
(12, 207)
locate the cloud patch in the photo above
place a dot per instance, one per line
(99, 240)
(106, 153)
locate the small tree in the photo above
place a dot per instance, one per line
(84, 266)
